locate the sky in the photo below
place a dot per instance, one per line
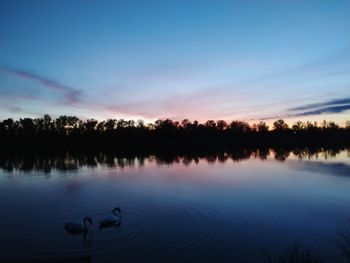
(247, 60)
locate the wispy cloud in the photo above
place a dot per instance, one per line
(71, 95)
(326, 107)
(322, 104)
(331, 106)
(333, 109)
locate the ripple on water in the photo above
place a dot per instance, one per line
(166, 227)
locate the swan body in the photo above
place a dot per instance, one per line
(112, 221)
(77, 228)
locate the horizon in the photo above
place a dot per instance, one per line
(269, 123)
(187, 59)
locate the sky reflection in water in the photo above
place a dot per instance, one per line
(175, 209)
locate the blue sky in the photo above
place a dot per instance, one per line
(249, 60)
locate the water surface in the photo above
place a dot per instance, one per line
(227, 207)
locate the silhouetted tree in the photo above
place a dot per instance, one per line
(347, 125)
(109, 125)
(186, 124)
(262, 127)
(280, 125)
(90, 125)
(27, 126)
(221, 125)
(298, 126)
(239, 127)
(210, 124)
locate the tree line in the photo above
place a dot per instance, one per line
(70, 130)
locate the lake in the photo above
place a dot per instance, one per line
(237, 206)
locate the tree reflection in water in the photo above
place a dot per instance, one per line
(66, 161)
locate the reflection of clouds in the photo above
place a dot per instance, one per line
(2, 217)
(72, 187)
(338, 169)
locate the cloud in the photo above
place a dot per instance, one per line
(322, 104)
(331, 106)
(332, 109)
(71, 95)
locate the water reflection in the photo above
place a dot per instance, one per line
(67, 161)
(338, 169)
(212, 206)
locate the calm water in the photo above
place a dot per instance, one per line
(218, 208)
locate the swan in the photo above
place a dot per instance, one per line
(112, 221)
(77, 228)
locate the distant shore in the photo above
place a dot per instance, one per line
(69, 132)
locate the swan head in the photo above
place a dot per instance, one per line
(87, 219)
(117, 211)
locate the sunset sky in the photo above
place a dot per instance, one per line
(247, 60)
